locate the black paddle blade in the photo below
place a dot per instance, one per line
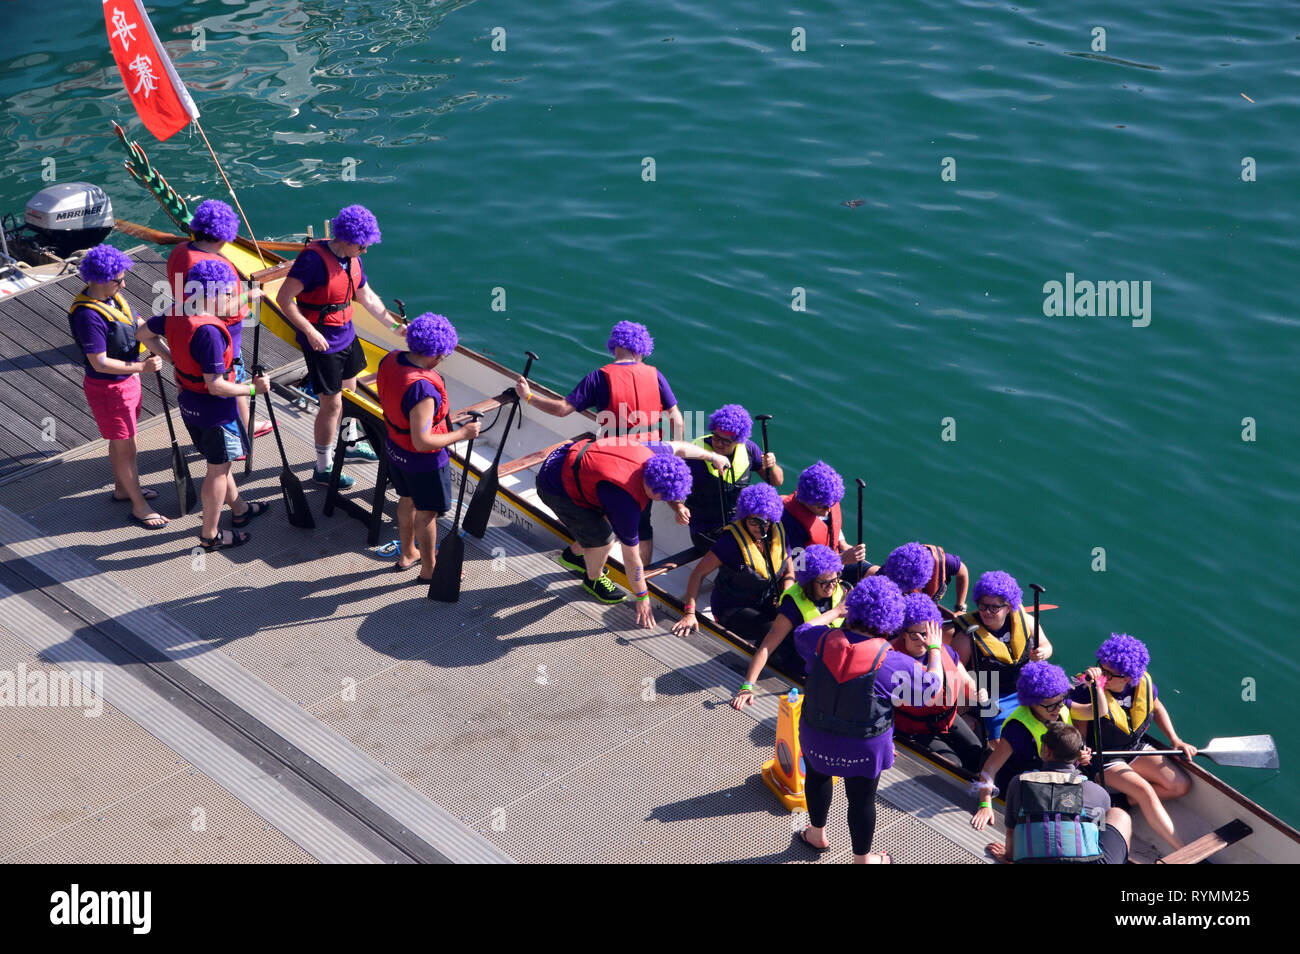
(295, 501)
(186, 497)
(480, 505)
(445, 585)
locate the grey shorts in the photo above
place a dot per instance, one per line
(589, 527)
(1125, 760)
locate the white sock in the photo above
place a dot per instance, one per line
(324, 457)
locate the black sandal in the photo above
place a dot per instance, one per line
(254, 510)
(219, 543)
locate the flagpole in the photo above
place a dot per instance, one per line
(251, 234)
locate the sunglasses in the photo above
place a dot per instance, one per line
(1051, 706)
(992, 607)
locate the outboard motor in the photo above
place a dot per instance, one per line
(70, 217)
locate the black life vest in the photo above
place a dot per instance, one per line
(849, 708)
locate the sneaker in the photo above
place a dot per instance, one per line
(572, 562)
(603, 589)
(322, 477)
(361, 451)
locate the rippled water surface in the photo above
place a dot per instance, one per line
(777, 169)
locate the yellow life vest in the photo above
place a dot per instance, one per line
(1007, 655)
(739, 461)
(1131, 724)
(1025, 716)
(808, 608)
(751, 551)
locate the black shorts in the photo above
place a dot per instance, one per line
(218, 445)
(1114, 849)
(591, 528)
(329, 371)
(428, 489)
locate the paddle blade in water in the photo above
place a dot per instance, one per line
(480, 505)
(295, 501)
(1245, 751)
(445, 585)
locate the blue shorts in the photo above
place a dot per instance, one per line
(428, 489)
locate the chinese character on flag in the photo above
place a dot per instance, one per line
(156, 91)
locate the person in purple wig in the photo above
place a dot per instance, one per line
(753, 565)
(316, 298)
(416, 414)
(714, 494)
(918, 567)
(1131, 704)
(106, 329)
(600, 489)
(846, 725)
(630, 399)
(1042, 694)
(813, 515)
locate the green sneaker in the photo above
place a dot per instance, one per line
(603, 589)
(322, 477)
(572, 562)
(361, 451)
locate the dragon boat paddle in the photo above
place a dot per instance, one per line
(763, 419)
(1038, 591)
(295, 501)
(1243, 751)
(971, 630)
(186, 497)
(862, 485)
(252, 404)
(445, 585)
(480, 505)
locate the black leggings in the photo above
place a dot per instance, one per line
(862, 806)
(959, 746)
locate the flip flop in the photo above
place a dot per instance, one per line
(254, 510)
(263, 429)
(146, 494)
(389, 548)
(149, 522)
(803, 836)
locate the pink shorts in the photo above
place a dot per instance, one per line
(115, 406)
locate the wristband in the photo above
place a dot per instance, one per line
(986, 804)
(396, 325)
(529, 399)
(252, 389)
(746, 687)
(689, 607)
(934, 646)
(643, 596)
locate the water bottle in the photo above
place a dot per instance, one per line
(793, 697)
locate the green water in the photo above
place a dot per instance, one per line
(522, 169)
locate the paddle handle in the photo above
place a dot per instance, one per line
(464, 477)
(862, 485)
(270, 409)
(252, 405)
(1038, 591)
(763, 419)
(1144, 752)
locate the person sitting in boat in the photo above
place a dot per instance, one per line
(931, 725)
(713, 496)
(816, 590)
(105, 329)
(1131, 705)
(1003, 643)
(925, 568)
(629, 397)
(812, 515)
(416, 413)
(753, 565)
(203, 356)
(316, 298)
(599, 488)
(846, 726)
(1043, 693)
(213, 224)
(1055, 816)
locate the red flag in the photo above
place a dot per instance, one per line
(157, 92)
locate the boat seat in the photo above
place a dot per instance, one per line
(1208, 845)
(536, 457)
(267, 275)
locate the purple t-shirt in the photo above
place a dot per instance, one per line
(310, 270)
(416, 461)
(619, 506)
(844, 756)
(90, 329)
(207, 347)
(592, 392)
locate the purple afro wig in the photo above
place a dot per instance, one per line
(214, 221)
(668, 476)
(814, 561)
(212, 276)
(431, 335)
(910, 566)
(919, 608)
(356, 224)
(103, 263)
(731, 419)
(1124, 654)
(759, 500)
(998, 583)
(1039, 681)
(820, 485)
(875, 606)
(633, 337)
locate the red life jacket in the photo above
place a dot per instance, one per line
(939, 579)
(608, 458)
(395, 378)
(814, 525)
(179, 332)
(839, 694)
(634, 399)
(184, 257)
(331, 303)
(935, 719)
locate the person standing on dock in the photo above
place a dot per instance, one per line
(203, 355)
(105, 329)
(630, 399)
(416, 413)
(813, 515)
(316, 298)
(925, 568)
(599, 489)
(213, 224)
(713, 496)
